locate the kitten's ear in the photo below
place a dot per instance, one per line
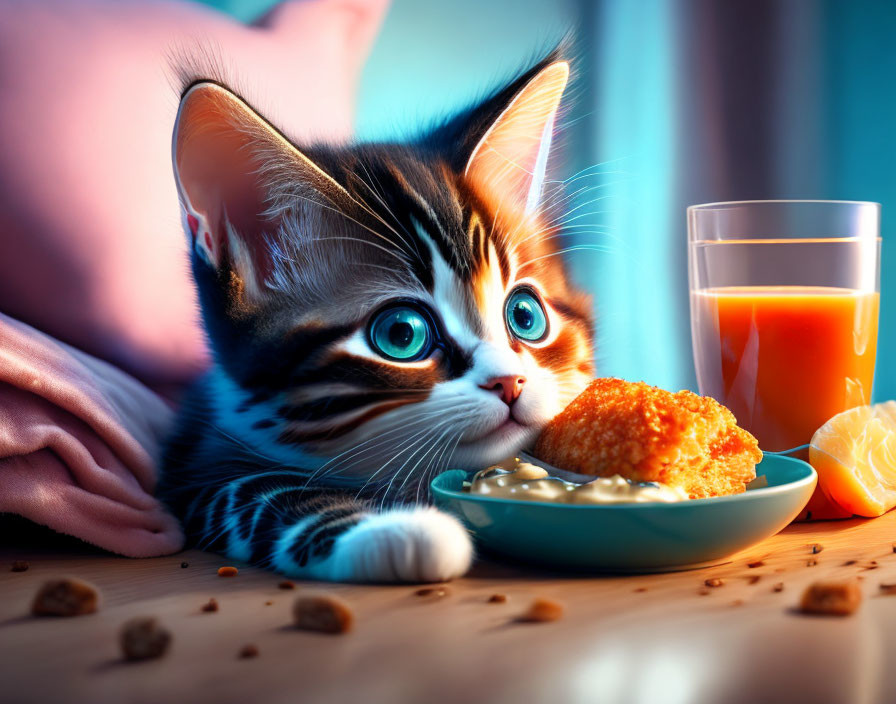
(507, 165)
(228, 162)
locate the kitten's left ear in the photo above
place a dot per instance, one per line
(507, 165)
(229, 164)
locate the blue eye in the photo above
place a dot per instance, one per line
(400, 333)
(525, 315)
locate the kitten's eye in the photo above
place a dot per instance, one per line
(400, 333)
(525, 315)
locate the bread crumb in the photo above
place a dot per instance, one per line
(888, 589)
(20, 566)
(321, 612)
(250, 650)
(210, 606)
(497, 599)
(184, 565)
(778, 587)
(817, 548)
(228, 571)
(286, 584)
(65, 597)
(755, 564)
(142, 638)
(436, 592)
(714, 582)
(753, 579)
(831, 598)
(543, 611)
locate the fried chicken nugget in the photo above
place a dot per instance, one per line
(651, 435)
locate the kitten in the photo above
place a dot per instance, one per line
(377, 313)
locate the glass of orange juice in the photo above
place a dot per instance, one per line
(784, 310)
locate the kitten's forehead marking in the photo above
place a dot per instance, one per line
(450, 296)
(491, 290)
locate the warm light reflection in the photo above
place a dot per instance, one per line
(614, 673)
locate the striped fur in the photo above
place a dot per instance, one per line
(304, 448)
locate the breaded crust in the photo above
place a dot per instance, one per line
(648, 434)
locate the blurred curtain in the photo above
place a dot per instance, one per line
(697, 101)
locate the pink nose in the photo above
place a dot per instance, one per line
(507, 387)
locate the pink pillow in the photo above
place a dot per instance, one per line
(91, 247)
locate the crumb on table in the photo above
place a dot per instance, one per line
(542, 610)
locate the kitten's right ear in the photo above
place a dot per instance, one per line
(229, 163)
(507, 165)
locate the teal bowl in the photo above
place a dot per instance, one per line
(646, 537)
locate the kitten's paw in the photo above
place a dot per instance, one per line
(417, 545)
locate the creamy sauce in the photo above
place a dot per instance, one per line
(528, 482)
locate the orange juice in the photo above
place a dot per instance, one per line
(785, 359)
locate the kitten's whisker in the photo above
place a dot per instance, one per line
(575, 248)
(396, 254)
(440, 462)
(248, 448)
(595, 174)
(414, 449)
(433, 444)
(558, 213)
(548, 207)
(401, 424)
(370, 211)
(547, 233)
(381, 438)
(561, 226)
(387, 208)
(434, 429)
(565, 222)
(436, 461)
(579, 236)
(544, 208)
(369, 265)
(561, 195)
(445, 459)
(582, 205)
(589, 169)
(345, 238)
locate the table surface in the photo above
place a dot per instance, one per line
(647, 638)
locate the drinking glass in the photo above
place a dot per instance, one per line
(784, 311)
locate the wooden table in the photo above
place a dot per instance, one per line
(654, 638)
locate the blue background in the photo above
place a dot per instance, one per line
(676, 102)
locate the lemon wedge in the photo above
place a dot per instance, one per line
(854, 454)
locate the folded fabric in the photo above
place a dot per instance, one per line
(79, 444)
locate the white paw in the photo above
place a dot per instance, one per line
(417, 545)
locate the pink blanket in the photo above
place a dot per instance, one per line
(79, 441)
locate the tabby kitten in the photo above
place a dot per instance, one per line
(377, 314)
